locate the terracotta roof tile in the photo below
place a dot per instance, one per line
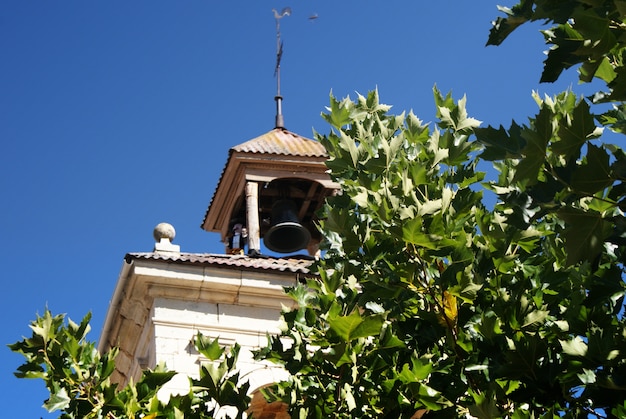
(287, 264)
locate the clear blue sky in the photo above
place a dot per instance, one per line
(117, 115)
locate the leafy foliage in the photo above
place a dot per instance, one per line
(430, 301)
(590, 34)
(434, 301)
(78, 377)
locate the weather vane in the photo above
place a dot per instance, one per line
(280, 123)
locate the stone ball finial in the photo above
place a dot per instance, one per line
(164, 231)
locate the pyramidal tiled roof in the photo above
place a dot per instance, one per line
(281, 141)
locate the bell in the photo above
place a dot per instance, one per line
(286, 234)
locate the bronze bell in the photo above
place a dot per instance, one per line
(286, 234)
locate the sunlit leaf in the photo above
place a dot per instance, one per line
(449, 315)
(57, 401)
(208, 347)
(574, 347)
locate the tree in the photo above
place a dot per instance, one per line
(429, 301)
(434, 299)
(432, 302)
(78, 377)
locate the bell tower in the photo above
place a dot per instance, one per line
(268, 194)
(270, 190)
(271, 187)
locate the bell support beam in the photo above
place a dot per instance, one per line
(252, 218)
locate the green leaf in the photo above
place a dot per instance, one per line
(208, 347)
(575, 131)
(584, 235)
(157, 378)
(562, 55)
(594, 174)
(80, 330)
(587, 376)
(534, 317)
(57, 401)
(418, 371)
(574, 347)
(500, 144)
(535, 150)
(349, 145)
(416, 132)
(455, 117)
(412, 233)
(343, 326)
(354, 326)
(30, 370)
(614, 119)
(601, 69)
(419, 174)
(485, 410)
(370, 326)
(347, 395)
(389, 340)
(46, 326)
(339, 113)
(504, 26)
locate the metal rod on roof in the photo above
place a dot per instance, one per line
(280, 121)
